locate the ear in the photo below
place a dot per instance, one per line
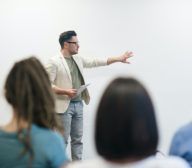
(65, 45)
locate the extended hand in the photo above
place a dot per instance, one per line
(124, 58)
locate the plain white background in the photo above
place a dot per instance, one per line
(157, 31)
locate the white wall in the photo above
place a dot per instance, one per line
(157, 31)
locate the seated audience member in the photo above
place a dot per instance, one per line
(29, 140)
(182, 143)
(126, 134)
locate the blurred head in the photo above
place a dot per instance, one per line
(125, 122)
(28, 91)
(69, 42)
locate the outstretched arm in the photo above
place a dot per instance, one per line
(122, 58)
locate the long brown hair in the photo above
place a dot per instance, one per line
(28, 91)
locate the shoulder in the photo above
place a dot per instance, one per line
(55, 57)
(81, 57)
(167, 162)
(94, 163)
(186, 128)
(185, 131)
(44, 134)
(78, 57)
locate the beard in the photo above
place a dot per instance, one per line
(74, 52)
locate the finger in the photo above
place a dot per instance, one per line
(126, 61)
(130, 54)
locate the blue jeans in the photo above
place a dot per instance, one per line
(73, 125)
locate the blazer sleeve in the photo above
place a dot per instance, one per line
(89, 62)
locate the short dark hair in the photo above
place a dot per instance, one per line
(125, 121)
(65, 36)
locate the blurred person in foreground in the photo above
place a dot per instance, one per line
(181, 144)
(29, 139)
(126, 133)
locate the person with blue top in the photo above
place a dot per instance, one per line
(30, 139)
(181, 144)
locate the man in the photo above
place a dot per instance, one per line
(66, 75)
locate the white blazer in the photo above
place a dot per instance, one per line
(60, 76)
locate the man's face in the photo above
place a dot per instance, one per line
(72, 45)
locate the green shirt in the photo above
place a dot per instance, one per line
(75, 75)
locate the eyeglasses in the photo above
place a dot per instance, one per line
(73, 42)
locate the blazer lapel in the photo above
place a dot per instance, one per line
(77, 63)
(65, 66)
